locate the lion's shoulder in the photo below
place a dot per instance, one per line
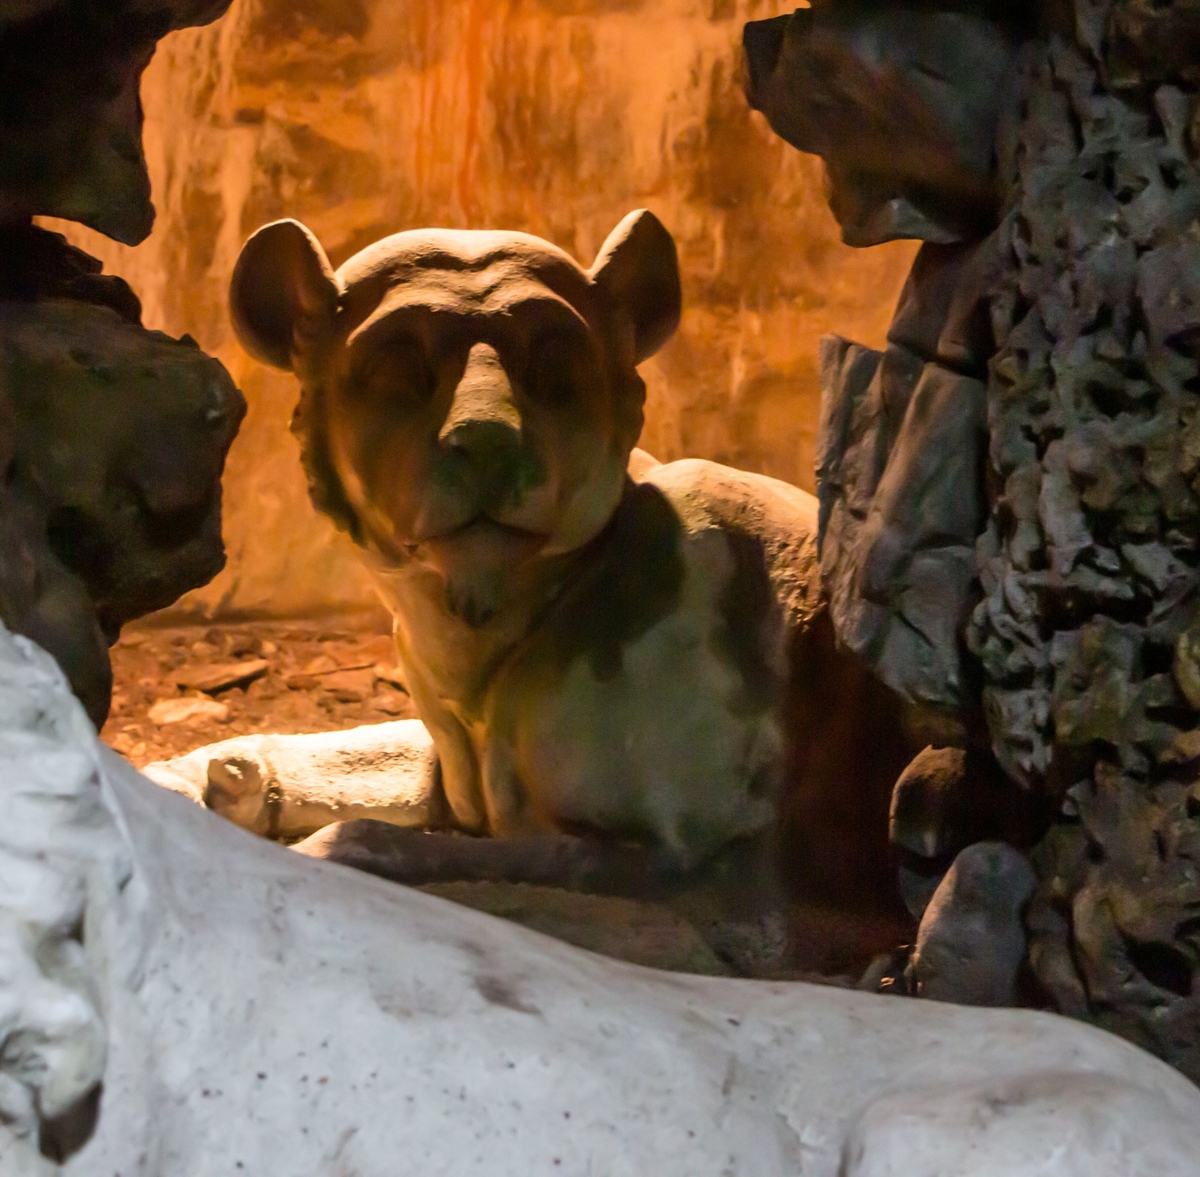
(776, 517)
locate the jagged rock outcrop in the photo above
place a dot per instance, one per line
(1089, 562)
(900, 100)
(1072, 320)
(112, 438)
(71, 120)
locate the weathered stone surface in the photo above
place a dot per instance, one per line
(71, 121)
(900, 482)
(902, 102)
(39, 596)
(121, 434)
(440, 1031)
(1081, 310)
(114, 441)
(971, 943)
(1089, 563)
(945, 800)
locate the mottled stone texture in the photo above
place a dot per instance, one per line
(1063, 333)
(1088, 564)
(112, 438)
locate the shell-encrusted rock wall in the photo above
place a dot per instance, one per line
(365, 117)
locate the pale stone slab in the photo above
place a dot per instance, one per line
(269, 1014)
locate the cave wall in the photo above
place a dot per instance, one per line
(365, 117)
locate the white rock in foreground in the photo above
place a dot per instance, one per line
(272, 1015)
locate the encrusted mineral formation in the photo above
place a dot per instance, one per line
(1047, 585)
(112, 438)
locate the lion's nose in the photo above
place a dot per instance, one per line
(483, 420)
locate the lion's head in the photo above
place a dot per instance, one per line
(469, 399)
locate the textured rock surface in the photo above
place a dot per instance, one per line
(944, 801)
(1081, 313)
(115, 440)
(971, 943)
(71, 121)
(901, 101)
(901, 487)
(387, 1023)
(1089, 562)
(369, 117)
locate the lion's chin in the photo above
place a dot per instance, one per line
(479, 564)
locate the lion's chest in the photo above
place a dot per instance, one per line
(642, 708)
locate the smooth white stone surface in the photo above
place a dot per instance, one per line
(277, 1016)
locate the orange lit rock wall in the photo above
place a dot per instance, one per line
(365, 117)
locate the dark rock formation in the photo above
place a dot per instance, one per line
(1072, 312)
(112, 438)
(900, 100)
(946, 800)
(114, 441)
(971, 944)
(899, 476)
(1088, 565)
(71, 116)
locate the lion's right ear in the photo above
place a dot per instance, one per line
(282, 286)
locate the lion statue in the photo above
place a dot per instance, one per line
(597, 643)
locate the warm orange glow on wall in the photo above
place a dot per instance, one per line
(364, 117)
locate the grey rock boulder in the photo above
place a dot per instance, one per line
(899, 480)
(971, 943)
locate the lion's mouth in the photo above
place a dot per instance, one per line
(481, 544)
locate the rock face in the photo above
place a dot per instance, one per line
(71, 122)
(971, 943)
(1071, 335)
(116, 437)
(447, 1036)
(1088, 565)
(368, 118)
(901, 101)
(112, 438)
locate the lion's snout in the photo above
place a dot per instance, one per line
(483, 452)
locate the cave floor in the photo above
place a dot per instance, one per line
(318, 678)
(315, 679)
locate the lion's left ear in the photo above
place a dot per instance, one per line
(282, 287)
(638, 269)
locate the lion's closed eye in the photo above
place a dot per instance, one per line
(554, 369)
(396, 374)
